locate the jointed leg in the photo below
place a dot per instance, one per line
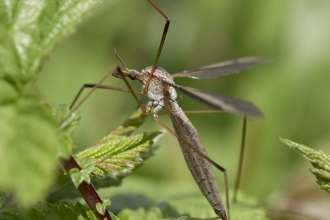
(91, 91)
(94, 87)
(240, 162)
(167, 24)
(98, 87)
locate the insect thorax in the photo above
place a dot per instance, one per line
(157, 87)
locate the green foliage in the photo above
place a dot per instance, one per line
(31, 141)
(126, 153)
(78, 176)
(83, 174)
(118, 152)
(110, 159)
(166, 211)
(4, 199)
(29, 30)
(28, 147)
(319, 160)
(51, 211)
(102, 207)
(68, 123)
(144, 198)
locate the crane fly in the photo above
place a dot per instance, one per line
(160, 88)
(162, 93)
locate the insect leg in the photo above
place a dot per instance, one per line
(167, 24)
(240, 162)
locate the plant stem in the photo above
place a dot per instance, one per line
(87, 190)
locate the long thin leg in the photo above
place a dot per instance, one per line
(90, 92)
(86, 86)
(240, 162)
(167, 24)
(93, 89)
(219, 167)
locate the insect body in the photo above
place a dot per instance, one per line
(158, 84)
(162, 93)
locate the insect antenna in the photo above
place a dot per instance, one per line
(120, 59)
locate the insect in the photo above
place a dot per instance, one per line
(162, 93)
(160, 88)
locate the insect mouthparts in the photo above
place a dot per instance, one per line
(116, 73)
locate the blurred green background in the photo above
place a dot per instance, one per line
(292, 90)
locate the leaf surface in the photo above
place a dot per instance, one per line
(29, 30)
(319, 160)
(51, 211)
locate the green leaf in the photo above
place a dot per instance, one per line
(118, 153)
(78, 176)
(187, 208)
(141, 198)
(28, 147)
(102, 207)
(29, 30)
(319, 160)
(68, 123)
(4, 199)
(51, 211)
(131, 124)
(99, 208)
(86, 164)
(67, 120)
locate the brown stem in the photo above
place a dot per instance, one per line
(87, 190)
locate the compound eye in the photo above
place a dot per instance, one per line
(133, 74)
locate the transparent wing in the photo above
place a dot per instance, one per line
(221, 69)
(221, 102)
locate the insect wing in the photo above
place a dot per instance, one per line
(221, 102)
(221, 69)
